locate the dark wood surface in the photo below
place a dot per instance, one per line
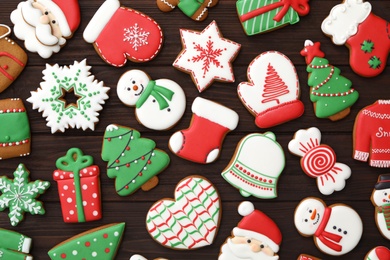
(49, 229)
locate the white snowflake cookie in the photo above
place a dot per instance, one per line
(60, 81)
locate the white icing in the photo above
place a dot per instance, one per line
(7, 33)
(308, 216)
(380, 198)
(251, 93)
(344, 19)
(100, 20)
(137, 257)
(190, 40)
(149, 114)
(311, 136)
(59, 16)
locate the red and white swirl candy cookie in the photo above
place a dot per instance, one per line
(272, 93)
(378, 253)
(319, 160)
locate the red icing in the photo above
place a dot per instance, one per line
(71, 10)
(107, 250)
(87, 244)
(274, 86)
(63, 255)
(114, 50)
(329, 239)
(4, 67)
(312, 51)
(382, 252)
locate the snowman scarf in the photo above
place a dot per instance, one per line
(158, 92)
(385, 209)
(329, 239)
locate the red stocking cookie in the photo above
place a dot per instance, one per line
(272, 93)
(119, 33)
(378, 253)
(202, 141)
(195, 9)
(366, 35)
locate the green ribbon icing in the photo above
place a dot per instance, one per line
(74, 161)
(189, 7)
(14, 127)
(158, 92)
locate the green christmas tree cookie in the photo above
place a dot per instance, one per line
(19, 195)
(133, 161)
(330, 92)
(99, 243)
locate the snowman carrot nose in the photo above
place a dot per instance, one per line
(135, 87)
(313, 215)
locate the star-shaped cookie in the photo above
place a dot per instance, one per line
(207, 56)
(19, 195)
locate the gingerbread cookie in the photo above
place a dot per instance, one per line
(45, 25)
(331, 93)
(197, 10)
(78, 187)
(256, 166)
(13, 59)
(132, 161)
(380, 198)
(15, 135)
(98, 243)
(188, 221)
(256, 236)
(14, 245)
(159, 104)
(371, 134)
(367, 36)
(319, 161)
(78, 81)
(272, 93)
(307, 257)
(120, 33)
(378, 253)
(333, 232)
(19, 195)
(202, 141)
(260, 16)
(207, 56)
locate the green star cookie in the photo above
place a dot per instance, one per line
(19, 195)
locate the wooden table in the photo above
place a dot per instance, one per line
(49, 229)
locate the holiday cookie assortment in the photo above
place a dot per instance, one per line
(191, 215)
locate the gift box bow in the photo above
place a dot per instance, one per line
(300, 6)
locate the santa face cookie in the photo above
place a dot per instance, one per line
(202, 141)
(44, 25)
(131, 160)
(378, 253)
(195, 9)
(380, 198)
(371, 134)
(366, 35)
(98, 243)
(207, 56)
(13, 59)
(58, 82)
(14, 245)
(256, 166)
(330, 92)
(159, 104)
(336, 229)
(188, 221)
(15, 136)
(319, 161)
(119, 34)
(272, 93)
(255, 237)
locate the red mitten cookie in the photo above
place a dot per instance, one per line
(121, 33)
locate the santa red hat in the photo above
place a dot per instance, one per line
(66, 12)
(255, 224)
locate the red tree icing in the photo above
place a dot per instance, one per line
(274, 86)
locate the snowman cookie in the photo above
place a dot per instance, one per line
(319, 160)
(159, 104)
(256, 166)
(380, 198)
(272, 93)
(378, 253)
(336, 229)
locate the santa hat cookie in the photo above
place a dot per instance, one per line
(378, 253)
(366, 35)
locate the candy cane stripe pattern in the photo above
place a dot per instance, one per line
(191, 220)
(319, 161)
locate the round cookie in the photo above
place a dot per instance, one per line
(159, 104)
(378, 253)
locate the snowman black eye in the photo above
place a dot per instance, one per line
(154, 101)
(249, 241)
(305, 219)
(169, 110)
(133, 82)
(385, 193)
(310, 211)
(128, 89)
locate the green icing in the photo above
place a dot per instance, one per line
(189, 7)
(98, 243)
(327, 106)
(374, 62)
(367, 46)
(14, 127)
(264, 22)
(132, 160)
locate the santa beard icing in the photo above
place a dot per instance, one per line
(231, 251)
(37, 36)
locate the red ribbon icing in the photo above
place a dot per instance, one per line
(300, 6)
(329, 239)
